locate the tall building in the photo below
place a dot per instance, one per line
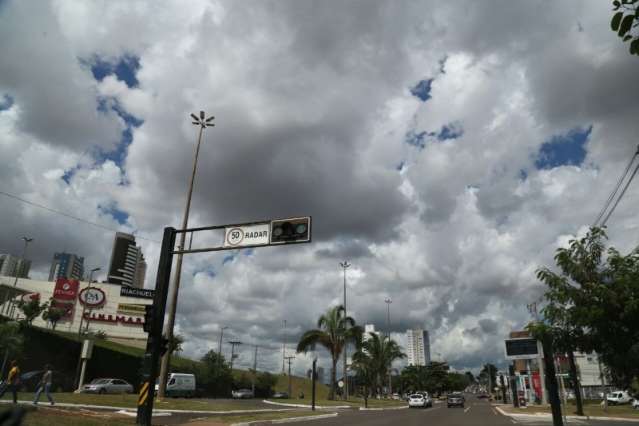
(11, 266)
(66, 265)
(127, 265)
(418, 350)
(369, 328)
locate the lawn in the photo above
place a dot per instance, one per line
(130, 401)
(595, 410)
(60, 417)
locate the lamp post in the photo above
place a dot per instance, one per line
(84, 305)
(203, 123)
(284, 348)
(388, 302)
(26, 240)
(345, 265)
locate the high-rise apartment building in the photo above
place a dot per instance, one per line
(418, 347)
(127, 265)
(11, 266)
(66, 265)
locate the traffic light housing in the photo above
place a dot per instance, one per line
(164, 345)
(295, 230)
(149, 318)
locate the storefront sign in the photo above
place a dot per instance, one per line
(66, 289)
(131, 308)
(116, 319)
(136, 292)
(92, 297)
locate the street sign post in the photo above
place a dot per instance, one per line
(236, 236)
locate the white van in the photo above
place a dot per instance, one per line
(619, 397)
(179, 384)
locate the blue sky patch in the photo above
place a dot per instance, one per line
(416, 139)
(6, 102)
(69, 173)
(450, 131)
(125, 69)
(228, 258)
(564, 150)
(119, 215)
(422, 90)
(118, 155)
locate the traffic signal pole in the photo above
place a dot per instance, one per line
(154, 344)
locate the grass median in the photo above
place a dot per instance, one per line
(351, 402)
(130, 401)
(241, 418)
(593, 410)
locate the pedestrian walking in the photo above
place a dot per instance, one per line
(45, 385)
(13, 381)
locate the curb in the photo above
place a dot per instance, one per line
(403, 407)
(158, 410)
(327, 407)
(548, 415)
(289, 420)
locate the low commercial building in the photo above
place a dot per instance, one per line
(115, 310)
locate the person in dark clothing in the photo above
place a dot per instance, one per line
(45, 385)
(13, 381)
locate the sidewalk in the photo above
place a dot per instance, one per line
(508, 411)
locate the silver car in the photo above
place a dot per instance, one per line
(103, 386)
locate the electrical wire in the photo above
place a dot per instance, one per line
(603, 223)
(87, 222)
(614, 192)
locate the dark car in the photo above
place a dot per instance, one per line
(455, 399)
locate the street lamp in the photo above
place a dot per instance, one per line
(26, 240)
(203, 123)
(388, 302)
(84, 305)
(345, 265)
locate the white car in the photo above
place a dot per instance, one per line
(619, 397)
(419, 400)
(635, 404)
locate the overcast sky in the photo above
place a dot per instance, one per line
(445, 149)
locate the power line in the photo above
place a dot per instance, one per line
(87, 222)
(614, 192)
(603, 223)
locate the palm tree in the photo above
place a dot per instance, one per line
(334, 331)
(378, 353)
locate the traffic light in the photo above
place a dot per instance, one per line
(294, 230)
(164, 345)
(149, 318)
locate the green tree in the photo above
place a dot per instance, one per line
(215, 375)
(488, 376)
(471, 377)
(334, 331)
(31, 309)
(366, 376)
(175, 343)
(625, 22)
(53, 315)
(378, 353)
(456, 382)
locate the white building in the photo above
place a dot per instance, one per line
(12, 266)
(418, 347)
(369, 328)
(116, 310)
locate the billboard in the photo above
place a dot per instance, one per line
(521, 348)
(64, 296)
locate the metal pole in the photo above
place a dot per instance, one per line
(290, 387)
(233, 344)
(313, 385)
(345, 266)
(166, 359)
(390, 383)
(254, 371)
(284, 348)
(219, 350)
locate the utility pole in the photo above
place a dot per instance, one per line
(254, 370)
(284, 347)
(219, 348)
(388, 302)
(345, 265)
(290, 388)
(313, 384)
(233, 344)
(203, 123)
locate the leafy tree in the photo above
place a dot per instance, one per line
(334, 331)
(456, 382)
(378, 354)
(175, 343)
(215, 375)
(471, 377)
(264, 383)
(625, 22)
(11, 342)
(53, 315)
(366, 376)
(488, 371)
(31, 309)
(432, 378)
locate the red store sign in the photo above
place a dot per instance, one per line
(66, 289)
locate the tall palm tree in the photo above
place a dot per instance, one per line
(378, 353)
(334, 330)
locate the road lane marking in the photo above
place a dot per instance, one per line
(466, 409)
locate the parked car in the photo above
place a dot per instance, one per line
(103, 386)
(179, 384)
(242, 394)
(455, 399)
(635, 403)
(280, 395)
(395, 396)
(619, 397)
(417, 400)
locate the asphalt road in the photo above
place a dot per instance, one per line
(475, 413)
